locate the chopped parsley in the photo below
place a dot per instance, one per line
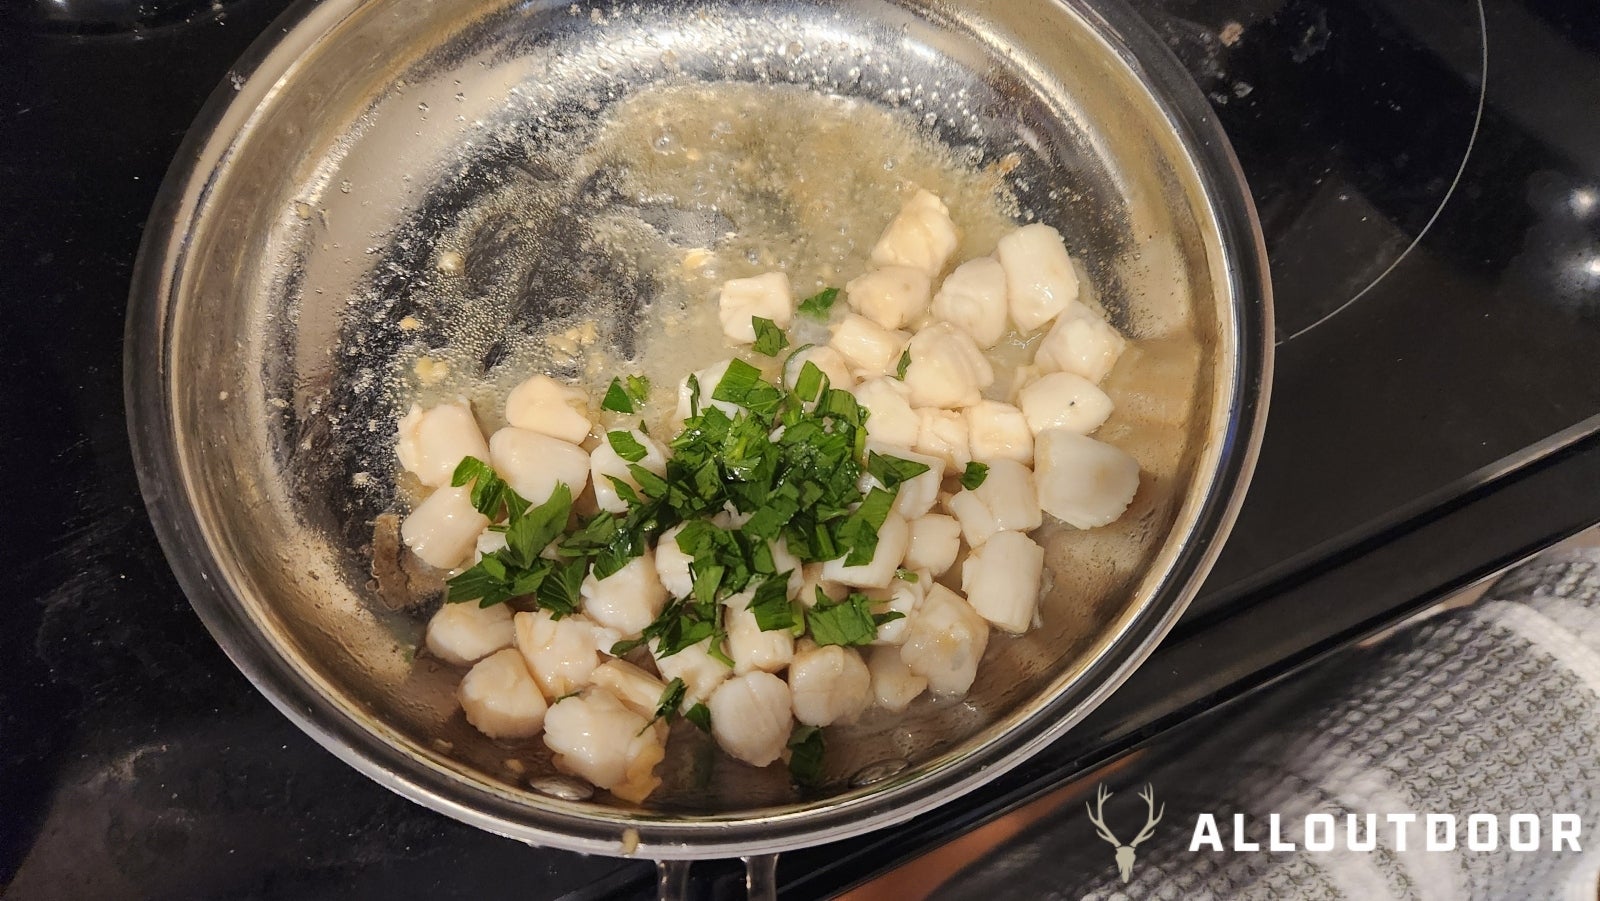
(846, 622)
(769, 338)
(805, 756)
(820, 304)
(518, 569)
(904, 364)
(892, 471)
(626, 446)
(700, 715)
(671, 698)
(974, 475)
(906, 575)
(626, 395)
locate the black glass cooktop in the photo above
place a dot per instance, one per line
(1428, 178)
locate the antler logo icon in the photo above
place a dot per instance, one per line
(1126, 852)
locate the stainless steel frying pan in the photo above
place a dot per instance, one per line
(374, 174)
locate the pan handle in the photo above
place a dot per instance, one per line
(760, 878)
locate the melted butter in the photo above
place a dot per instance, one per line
(712, 182)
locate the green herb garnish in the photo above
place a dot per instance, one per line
(906, 575)
(805, 755)
(700, 715)
(846, 622)
(892, 471)
(771, 606)
(769, 338)
(626, 446)
(974, 475)
(670, 699)
(617, 399)
(904, 364)
(517, 570)
(818, 305)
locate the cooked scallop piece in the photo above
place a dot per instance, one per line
(894, 685)
(901, 597)
(828, 684)
(918, 493)
(466, 633)
(534, 464)
(830, 361)
(743, 299)
(1081, 343)
(628, 599)
(1040, 280)
(636, 689)
(973, 299)
(934, 541)
(879, 571)
(701, 673)
(542, 404)
(672, 564)
(1064, 400)
(708, 379)
(750, 647)
(750, 717)
(945, 641)
(433, 442)
(942, 434)
(561, 653)
(947, 369)
(998, 431)
(893, 297)
(921, 235)
(1006, 501)
(1081, 481)
(807, 595)
(500, 697)
(890, 418)
(871, 349)
(597, 737)
(443, 530)
(605, 461)
(1001, 580)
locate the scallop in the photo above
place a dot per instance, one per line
(433, 442)
(500, 697)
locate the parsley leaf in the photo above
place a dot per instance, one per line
(859, 532)
(558, 593)
(531, 532)
(742, 384)
(892, 471)
(769, 338)
(617, 399)
(771, 606)
(700, 715)
(904, 364)
(805, 755)
(974, 475)
(906, 575)
(490, 493)
(638, 388)
(809, 382)
(626, 446)
(818, 305)
(846, 622)
(670, 699)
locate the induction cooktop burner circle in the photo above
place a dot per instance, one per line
(1353, 123)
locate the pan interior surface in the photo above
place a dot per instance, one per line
(406, 202)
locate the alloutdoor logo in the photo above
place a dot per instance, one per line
(1361, 832)
(1125, 852)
